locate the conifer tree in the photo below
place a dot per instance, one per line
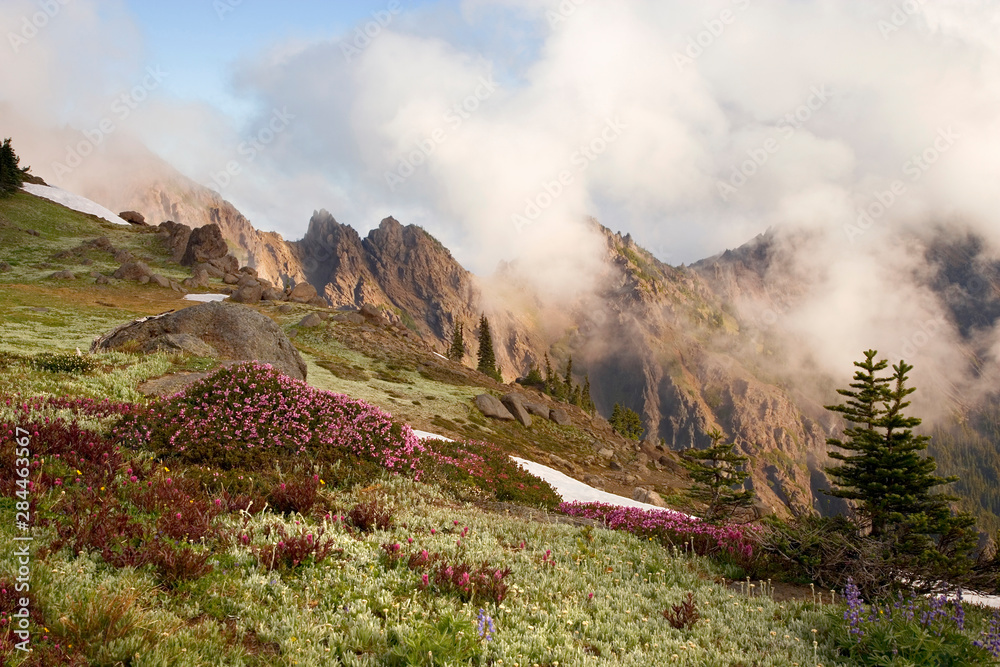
(487, 359)
(11, 175)
(457, 351)
(568, 380)
(548, 374)
(626, 422)
(715, 471)
(882, 469)
(587, 401)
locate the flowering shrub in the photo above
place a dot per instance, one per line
(247, 416)
(990, 639)
(488, 468)
(669, 527)
(913, 631)
(63, 362)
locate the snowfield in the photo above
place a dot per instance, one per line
(205, 297)
(75, 202)
(569, 489)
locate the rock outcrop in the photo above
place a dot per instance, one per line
(204, 244)
(232, 331)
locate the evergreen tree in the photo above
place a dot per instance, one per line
(487, 359)
(715, 471)
(457, 351)
(568, 381)
(882, 469)
(534, 378)
(626, 422)
(588, 403)
(548, 374)
(11, 175)
(575, 397)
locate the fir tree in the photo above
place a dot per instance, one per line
(626, 422)
(588, 403)
(487, 359)
(11, 175)
(568, 380)
(882, 469)
(548, 374)
(715, 471)
(457, 351)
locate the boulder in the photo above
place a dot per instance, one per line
(242, 280)
(133, 271)
(212, 270)
(649, 497)
(311, 320)
(249, 270)
(183, 342)
(302, 293)
(353, 318)
(63, 275)
(227, 264)
(515, 406)
(594, 481)
(607, 453)
(102, 280)
(374, 315)
(143, 280)
(560, 416)
(133, 218)
(124, 256)
(234, 331)
(248, 294)
(560, 462)
(159, 280)
(271, 294)
(537, 409)
(492, 407)
(285, 309)
(230, 279)
(4, 267)
(175, 236)
(205, 244)
(614, 465)
(199, 278)
(319, 302)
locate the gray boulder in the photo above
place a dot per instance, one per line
(560, 416)
(133, 271)
(63, 275)
(205, 244)
(249, 270)
(234, 331)
(175, 236)
(311, 320)
(230, 279)
(227, 264)
(537, 409)
(124, 256)
(492, 407)
(183, 342)
(199, 278)
(248, 294)
(159, 280)
(515, 406)
(271, 294)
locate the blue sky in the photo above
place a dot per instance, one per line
(199, 41)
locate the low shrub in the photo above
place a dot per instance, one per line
(63, 362)
(291, 551)
(369, 517)
(249, 416)
(298, 495)
(671, 528)
(682, 616)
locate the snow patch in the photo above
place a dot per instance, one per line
(568, 488)
(73, 201)
(205, 297)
